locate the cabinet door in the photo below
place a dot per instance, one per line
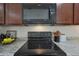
(76, 13)
(64, 13)
(1, 13)
(13, 14)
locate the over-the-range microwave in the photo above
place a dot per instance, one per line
(39, 13)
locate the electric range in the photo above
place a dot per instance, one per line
(40, 44)
(54, 51)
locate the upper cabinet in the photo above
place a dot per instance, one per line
(64, 13)
(76, 13)
(59, 13)
(13, 14)
(1, 13)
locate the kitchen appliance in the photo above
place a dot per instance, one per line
(39, 13)
(55, 51)
(40, 44)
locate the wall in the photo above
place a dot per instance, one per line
(69, 31)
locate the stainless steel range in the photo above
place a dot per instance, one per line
(40, 44)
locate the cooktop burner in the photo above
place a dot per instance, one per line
(54, 51)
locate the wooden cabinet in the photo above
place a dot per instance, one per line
(76, 13)
(1, 13)
(13, 14)
(64, 13)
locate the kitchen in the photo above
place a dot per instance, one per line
(63, 17)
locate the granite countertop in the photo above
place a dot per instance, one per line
(10, 49)
(70, 47)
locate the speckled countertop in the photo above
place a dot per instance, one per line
(70, 47)
(10, 49)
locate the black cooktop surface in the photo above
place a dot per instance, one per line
(54, 51)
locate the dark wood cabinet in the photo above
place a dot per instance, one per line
(1, 13)
(13, 14)
(76, 13)
(64, 13)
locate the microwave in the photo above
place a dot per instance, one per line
(39, 13)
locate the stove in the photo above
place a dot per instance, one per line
(54, 51)
(40, 44)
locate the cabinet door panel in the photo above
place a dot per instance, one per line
(14, 14)
(76, 13)
(1, 13)
(64, 13)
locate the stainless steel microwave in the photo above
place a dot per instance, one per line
(39, 13)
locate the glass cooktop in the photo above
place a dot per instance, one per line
(54, 51)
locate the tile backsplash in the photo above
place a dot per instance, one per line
(68, 30)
